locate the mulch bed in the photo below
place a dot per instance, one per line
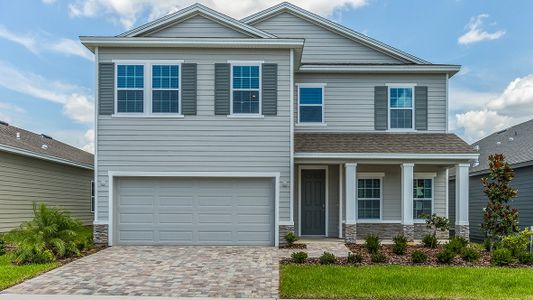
(294, 246)
(93, 250)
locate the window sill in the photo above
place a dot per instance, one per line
(243, 116)
(150, 116)
(407, 130)
(311, 124)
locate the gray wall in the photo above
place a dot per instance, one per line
(349, 99)
(197, 26)
(322, 45)
(201, 143)
(25, 180)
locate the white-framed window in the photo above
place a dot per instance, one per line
(92, 196)
(422, 197)
(311, 103)
(130, 88)
(401, 107)
(245, 89)
(369, 198)
(166, 88)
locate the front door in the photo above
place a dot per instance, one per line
(313, 202)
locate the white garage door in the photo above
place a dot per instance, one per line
(194, 211)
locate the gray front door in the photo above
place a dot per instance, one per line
(313, 202)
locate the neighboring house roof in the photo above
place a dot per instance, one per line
(19, 141)
(335, 27)
(515, 142)
(396, 143)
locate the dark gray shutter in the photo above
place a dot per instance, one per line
(380, 108)
(188, 89)
(222, 89)
(106, 88)
(421, 108)
(269, 86)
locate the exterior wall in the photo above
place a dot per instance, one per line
(349, 100)
(201, 143)
(25, 180)
(322, 45)
(197, 27)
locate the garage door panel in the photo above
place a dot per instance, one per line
(137, 235)
(136, 218)
(175, 236)
(175, 201)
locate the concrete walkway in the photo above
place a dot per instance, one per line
(317, 247)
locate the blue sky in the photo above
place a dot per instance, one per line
(47, 77)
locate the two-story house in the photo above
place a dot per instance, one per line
(217, 131)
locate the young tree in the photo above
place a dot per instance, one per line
(499, 219)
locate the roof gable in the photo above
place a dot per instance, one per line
(345, 32)
(196, 26)
(194, 10)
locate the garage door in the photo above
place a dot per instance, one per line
(194, 211)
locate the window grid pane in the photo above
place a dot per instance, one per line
(165, 84)
(130, 101)
(130, 76)
(246, 102)
(311, 105)
(401, 108)
(369, 198)
(130, 85)
(422, 197)
(245, 89)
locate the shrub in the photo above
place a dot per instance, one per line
(430, 241)
(327, 258)
(418, 257)
(354, 258)
(435, 222)
(445, 256)
(470, 254)
(456, 244)
(50, 234)
(378, 257)
(400, 244)
(526, 258)
(372, 243)
(516, 243)
(290, 238)
(501, 257)
(2, 246)
(299, 257)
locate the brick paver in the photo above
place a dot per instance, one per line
(228, 272)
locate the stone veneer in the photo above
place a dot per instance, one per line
(100, 232)
(283, 230)
(463, 231)
(387, 231)
(350, 232)
(421, 230)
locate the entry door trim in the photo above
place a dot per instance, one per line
(111, 193)
(312, 167)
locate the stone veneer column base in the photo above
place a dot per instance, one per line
(409, 232)
(350, 233)
(462, 231)
(100, 233)
(283, 230)
(421, 230)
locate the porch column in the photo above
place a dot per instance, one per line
(350, 226)
(461, 200)
(407, 200)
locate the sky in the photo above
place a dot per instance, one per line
(47, 76)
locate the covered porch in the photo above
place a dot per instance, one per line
(352, 185)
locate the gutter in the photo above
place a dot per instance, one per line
(46, 157)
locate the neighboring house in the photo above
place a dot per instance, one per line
(37, 168)
(217, 131)
(516, 143)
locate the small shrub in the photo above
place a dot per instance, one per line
(327, 258)
(290, 238)
(445, 256)
(456, 244)
(501, 257)
(400, 244)
(487, 244)
(470, 254)
(378, 257)
(354, 258)
(372, 243)
(526, 258)
(2, 246)
(419, 257)
(299, 257)
(430, 241)
(29, 254)
(516, 243)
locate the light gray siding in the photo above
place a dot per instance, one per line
(25, 180)
(202, 143)
(322, 45)
(197, 27)
(349, 99)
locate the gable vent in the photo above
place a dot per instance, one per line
(18, 135)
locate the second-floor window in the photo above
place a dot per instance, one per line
(165, 89)
(130, 88)
(311, 104)
(401, 108)
(246, 95)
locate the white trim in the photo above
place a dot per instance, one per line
(447, 102)
(96, 113)
(341, 198)
(390, 108)
(385, 155)
(112, 174)
(350, 176)
(245, 62)
(326, 219)
(372, 221)
(311, 84)
(259, 89)
(149, 116)
(425, 175)
(286, 223)
(401, 85)
(29, 153)
(447, 192)
(371, 177)
(365, 175)
(419, 69)
(147, 61)
(291, 133)
(322, 87)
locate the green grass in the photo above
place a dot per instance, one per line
(12, 274)
(401, 282)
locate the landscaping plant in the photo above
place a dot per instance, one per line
(470, 254)
(372, 243)
(327, 258)
(501, 257)
(2, 246)
(499, 219)
(445, 256)
(290, 238)
(526, 258)
(378, 257)
(517, 243)
(436, 223)
(456, 244)
(418, 257)
(430, 241)
(299, 257)
(400, 244)
(354, 258)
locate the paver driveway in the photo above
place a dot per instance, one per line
(228, 272)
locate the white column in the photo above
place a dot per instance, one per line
(461, 194)
(351, 186)
(407, 193)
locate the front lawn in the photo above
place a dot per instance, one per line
(400, 282)
(12, 274)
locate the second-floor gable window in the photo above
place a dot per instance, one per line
(246, 87)
(165, 89)
(401, 108)
(130, 88)
(311, 104)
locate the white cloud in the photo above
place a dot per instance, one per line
(40, 44)
(127, 12)
(476, 33)
(9, 111)
(12, 107)
(478, 124)
(77, 138)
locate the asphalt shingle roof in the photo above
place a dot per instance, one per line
(33, 142)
